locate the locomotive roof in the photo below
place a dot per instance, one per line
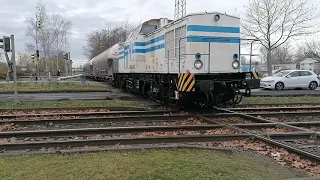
(170, 22)
(191, 14)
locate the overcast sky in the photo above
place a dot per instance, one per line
(89, 14)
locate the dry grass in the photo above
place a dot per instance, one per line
(62, 104)
(161, 164)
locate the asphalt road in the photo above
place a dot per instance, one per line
(65, 96)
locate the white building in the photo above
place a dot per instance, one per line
(311, 65)
(264, 68)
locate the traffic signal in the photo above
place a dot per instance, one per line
(39, 24)
(20, 55)
(6, 44)
(37, 52)
(65, 56)
(34, 59)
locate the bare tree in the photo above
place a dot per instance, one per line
(274, 22)
(52, 35)
(102, 39)
(281, 55)
(309, 49)
(3, 70)
(1, 56)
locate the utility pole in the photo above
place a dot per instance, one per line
(57, 53)
(13, 60)
(70, 65)
(38, 26)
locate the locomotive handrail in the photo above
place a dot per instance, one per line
(251, 44)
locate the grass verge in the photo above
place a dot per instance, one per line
(47, 87)
(63, 104)
(280, 100)
(160, 164)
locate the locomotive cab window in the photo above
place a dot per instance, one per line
(146, 29)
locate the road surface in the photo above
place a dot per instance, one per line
(65, 96)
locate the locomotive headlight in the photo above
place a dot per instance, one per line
(198, 64)
(235, 64)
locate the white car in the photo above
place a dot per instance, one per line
(290, 79)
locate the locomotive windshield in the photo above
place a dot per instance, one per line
(146, 29)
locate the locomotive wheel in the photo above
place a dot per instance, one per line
(220, 101)
(239, 97)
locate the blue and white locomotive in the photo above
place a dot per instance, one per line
(192, 60)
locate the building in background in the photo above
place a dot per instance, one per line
(311, 65)
(264, 68)
(246, 68)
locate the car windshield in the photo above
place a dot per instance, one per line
(282, 73)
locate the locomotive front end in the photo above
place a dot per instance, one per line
(209, 61)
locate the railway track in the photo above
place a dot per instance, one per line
(225, 128)
(262, 105)
(284, 129)
(85, 114)
(277, 109)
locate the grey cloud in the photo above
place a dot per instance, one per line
(87, 15)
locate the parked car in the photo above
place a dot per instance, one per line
(290, 79)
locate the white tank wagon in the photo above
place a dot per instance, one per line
(102, 65)
(193, 60)
(86, 67)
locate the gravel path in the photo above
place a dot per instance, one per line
(52, 126)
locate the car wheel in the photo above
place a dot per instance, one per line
(313, 85)
(279, 86)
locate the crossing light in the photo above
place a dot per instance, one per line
(6, 44)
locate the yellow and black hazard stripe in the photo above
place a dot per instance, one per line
(186, 82)
(255, 75)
